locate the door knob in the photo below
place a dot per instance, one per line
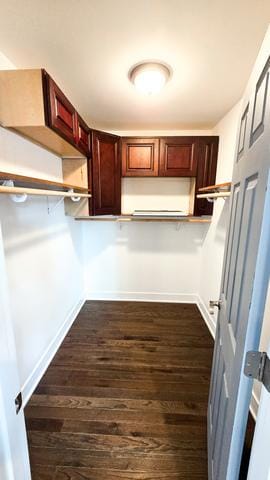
(213, 304)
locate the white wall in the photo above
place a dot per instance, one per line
(142, 260)
(155, 194)
(42, 257)
(213, 246)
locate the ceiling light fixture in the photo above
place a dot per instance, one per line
(149, 77)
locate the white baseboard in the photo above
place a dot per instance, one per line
(142, 296)
(34, 378)
(209, 319)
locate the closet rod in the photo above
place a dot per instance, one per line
(41, 192)
(213, 195)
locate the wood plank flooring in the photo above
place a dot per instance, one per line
(125, 397)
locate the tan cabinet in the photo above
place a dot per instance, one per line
(33, 105)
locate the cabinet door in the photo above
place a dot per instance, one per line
(83, 136)
(140, 157)
(61, 115)
(106, 174)
(178, 157)
(206, 172)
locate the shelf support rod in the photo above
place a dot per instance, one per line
(214, 196)
(11, 190)
(16, 197)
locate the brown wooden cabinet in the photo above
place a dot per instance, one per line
(34, 106)
(83, 139)
(140, 157)
(62, 117)
(178, 157)
(191, 156)
(60, 113)
(163, 157)
(106, 174)
(206, 172)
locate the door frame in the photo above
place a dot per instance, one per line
(14, 456)
(259, 456)
(259, 464)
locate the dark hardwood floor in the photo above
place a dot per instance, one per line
(125, 396)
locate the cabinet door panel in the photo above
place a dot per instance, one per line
(140, 157)
(61, 113)
(206, 172)
(83, 136)
(178, 157)
(106, 174)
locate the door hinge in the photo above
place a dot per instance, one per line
(18, 402)
(257, 366)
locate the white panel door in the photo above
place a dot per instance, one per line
(244, 286)
(14, 461)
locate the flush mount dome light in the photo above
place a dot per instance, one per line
(149, 77)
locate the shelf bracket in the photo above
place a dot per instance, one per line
(55, 206)
(74, 198)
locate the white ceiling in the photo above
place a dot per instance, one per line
(88, 46)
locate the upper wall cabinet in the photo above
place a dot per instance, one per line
(163, 157)
(106, 174)
(61, 113)
(206, 172)
(140, 157)
(178, 157)
(34, 106)
(194, 157)
(83, 136)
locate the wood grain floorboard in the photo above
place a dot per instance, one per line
(123, 373)
(125, 397)
(43, 472)
(67, 473)
(160, 392)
